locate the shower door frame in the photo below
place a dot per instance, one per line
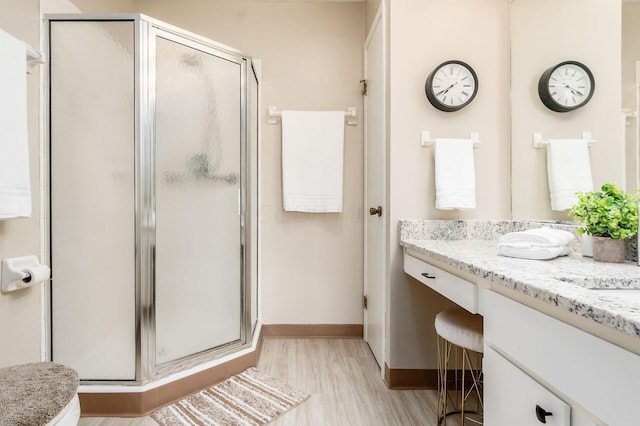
(146, 34)
(145, 30)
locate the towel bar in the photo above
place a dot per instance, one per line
(351, 114)
(539, 143)
(34, 58)
(33, 54)
(629, 115)
(426, 140)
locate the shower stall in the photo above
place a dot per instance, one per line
(153, 197)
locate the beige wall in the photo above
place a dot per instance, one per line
(311, 60)
(542, 36)
(371, 8)
(20, 311)
(630, 54)
(424, 33)
(87, 6)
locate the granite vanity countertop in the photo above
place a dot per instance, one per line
(565, 282)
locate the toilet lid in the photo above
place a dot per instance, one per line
(34, 394)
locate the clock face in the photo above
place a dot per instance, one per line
(451, 86)
(566, 86)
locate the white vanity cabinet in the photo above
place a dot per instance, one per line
(456, 289)
(532, 359)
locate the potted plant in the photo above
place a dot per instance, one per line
(610, 216)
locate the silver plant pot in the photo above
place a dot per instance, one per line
(607, 249)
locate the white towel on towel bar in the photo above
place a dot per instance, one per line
(312, 161)
(568, 171)
(455, 174)
(15, 189)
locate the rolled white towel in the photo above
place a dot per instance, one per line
(540, 236)
(533, 251)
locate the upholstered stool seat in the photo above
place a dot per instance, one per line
(461, 328)
(41, 393)
(460, 345)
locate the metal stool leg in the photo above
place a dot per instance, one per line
(471, 366)
(473, 361)
(444, 352)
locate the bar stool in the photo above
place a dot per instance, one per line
(460, 345)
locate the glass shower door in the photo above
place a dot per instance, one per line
(199, 198)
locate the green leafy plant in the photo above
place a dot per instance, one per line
(607, 213)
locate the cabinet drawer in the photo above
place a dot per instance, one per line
(456, 289)
(584, 369)
(512, 397)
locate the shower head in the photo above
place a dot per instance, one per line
(192, 59)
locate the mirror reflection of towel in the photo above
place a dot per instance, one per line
(455, 174)
(568, 170)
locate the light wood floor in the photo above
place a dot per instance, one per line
(343, 380)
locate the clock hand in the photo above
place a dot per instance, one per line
(575, 91)
(446, 90)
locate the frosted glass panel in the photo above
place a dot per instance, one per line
(92, 198)
(197, 184)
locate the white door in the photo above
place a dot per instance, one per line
(375, 178)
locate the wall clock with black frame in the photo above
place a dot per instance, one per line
(451, 86)
(566, 86)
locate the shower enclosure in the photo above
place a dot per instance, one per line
(153, 195)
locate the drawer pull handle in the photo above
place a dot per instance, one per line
(542, 414)
(428, 275)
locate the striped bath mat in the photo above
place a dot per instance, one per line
(249, 398)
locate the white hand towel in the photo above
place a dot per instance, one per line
(568, 170)
(15, 189)
(312, 161)
(455, 174)
(532, 251)
(540, 236)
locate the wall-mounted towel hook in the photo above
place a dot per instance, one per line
(538, 142)
(351, 115)
(425, 139)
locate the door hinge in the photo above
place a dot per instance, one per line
(364, 87)
(365, 302)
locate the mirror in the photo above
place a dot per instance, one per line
(545, 33)
(630, 52)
